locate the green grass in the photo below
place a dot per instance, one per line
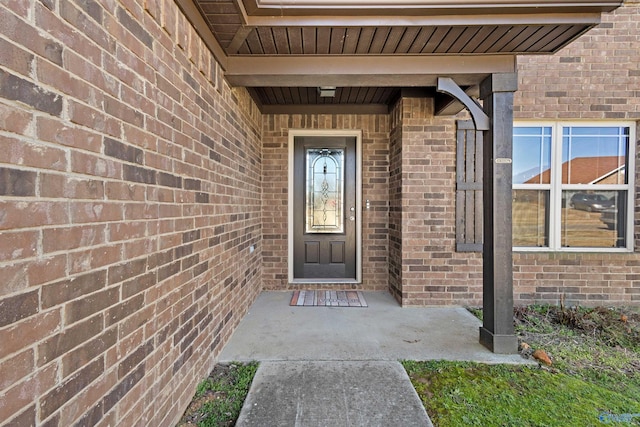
(595, 374)
(471, 394)
(219, 397)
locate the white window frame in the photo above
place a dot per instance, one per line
(556, 187)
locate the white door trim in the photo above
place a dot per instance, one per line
(316, 132)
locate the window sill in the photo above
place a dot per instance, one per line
(574, 250)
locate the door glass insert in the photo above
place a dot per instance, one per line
(325, 190)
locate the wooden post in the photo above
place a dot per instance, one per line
(497, 332)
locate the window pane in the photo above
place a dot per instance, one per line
(532, 155)
(593, 219)
(325, 190)
(592, 155)
(530, 218)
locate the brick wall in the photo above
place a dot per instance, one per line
(133, 182)
(130, 192)
(424, 265)
(594, 78)
(395, 201)
(375, 187)
(584, 279)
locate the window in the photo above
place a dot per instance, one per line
(573, 186)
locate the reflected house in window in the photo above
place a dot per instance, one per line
(571, 186)
(588, 170)
(604, 227)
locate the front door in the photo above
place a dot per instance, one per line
(324, 207)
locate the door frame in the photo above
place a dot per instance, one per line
(293, 133)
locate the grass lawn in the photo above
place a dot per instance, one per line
(594, 379)
(219, 397)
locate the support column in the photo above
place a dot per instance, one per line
(497, 332)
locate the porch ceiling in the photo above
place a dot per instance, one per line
(368, 49)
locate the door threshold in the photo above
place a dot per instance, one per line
(325, 281)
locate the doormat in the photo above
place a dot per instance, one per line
(328, 299)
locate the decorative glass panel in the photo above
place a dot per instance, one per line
(592, 155)
(325, 190)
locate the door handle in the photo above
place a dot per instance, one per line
(352, 217)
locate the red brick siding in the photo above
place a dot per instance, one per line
(425, 267)
(395, 201)
(585, 279)
(134, 180)
(596, 77)
(375, 185)
(130, 184)
(593, 78)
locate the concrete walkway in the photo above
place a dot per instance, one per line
(335, 366)
(314, 394)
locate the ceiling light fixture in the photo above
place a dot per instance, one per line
(327, 91)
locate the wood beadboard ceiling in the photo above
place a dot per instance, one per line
(285, 49)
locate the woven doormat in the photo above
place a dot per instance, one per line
(328, 299)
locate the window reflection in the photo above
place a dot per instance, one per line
(594, 155)
(531, 167)
(593, 219)
(530, 218)
(571, 185)
(532, 155)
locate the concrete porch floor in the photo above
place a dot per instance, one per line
(384, 331)
(339, 366)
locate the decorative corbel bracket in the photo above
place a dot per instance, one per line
(479, 117)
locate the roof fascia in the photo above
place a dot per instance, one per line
(420, 7)
(362, 71)
(608, 174)
(592, 18)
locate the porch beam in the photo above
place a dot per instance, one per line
(363, 71)
(497, 332)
